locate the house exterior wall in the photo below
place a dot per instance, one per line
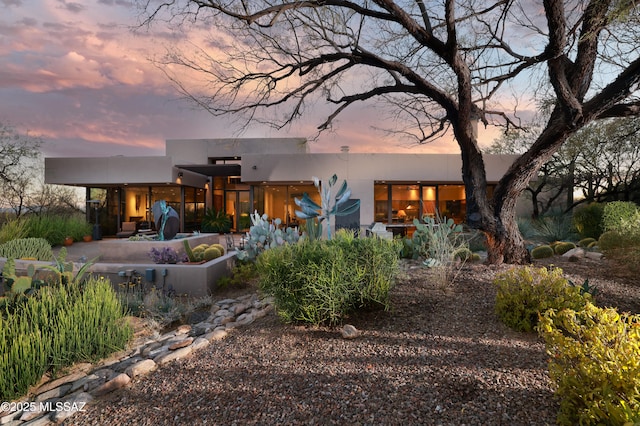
(88, 171)
(277, 161)
(362, 170)
(197, 151)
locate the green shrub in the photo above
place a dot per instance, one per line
(524, 293)
(616, 213)
(612, 240)
(542, 252)
(322, 281)
(587, 242)
(554, 226)
(54, 229)
(31, 248)
(60, 326)
(13, 229)
(216, 221)
(563, 247)
(242, 274)
(587, 220)
(594, 364)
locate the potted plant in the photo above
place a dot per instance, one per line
(216, 221)
(68, 241)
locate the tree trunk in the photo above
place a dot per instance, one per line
(505, 243)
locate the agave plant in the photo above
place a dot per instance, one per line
(309, 209)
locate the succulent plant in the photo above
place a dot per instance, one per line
(32, 248)
(330, 205)
(265, 234)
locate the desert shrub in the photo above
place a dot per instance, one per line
(164, 255)
(55, 228)
(563, 246)
(612, 240)
(440, 241)
(616, 213)
(323, 280)
(13, 229)
(587, 242)
(594, 364)
(554, 226)
(242, 275)
(587, 220)
(542, 252)
(526, 292)
(57, 327)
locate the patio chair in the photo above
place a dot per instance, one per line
(127, 230)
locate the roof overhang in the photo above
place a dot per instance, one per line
(213, 169)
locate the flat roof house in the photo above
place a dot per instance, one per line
(264, 174)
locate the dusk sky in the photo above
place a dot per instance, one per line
(77, 75)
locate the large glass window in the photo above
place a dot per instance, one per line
(401, 203)
(429, 201)
(194, 206)
(405, 203)
(452, 202)
(278, 201)
(381, 201)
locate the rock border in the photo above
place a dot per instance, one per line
(56, 400)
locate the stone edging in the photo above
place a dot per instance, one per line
(56, 400)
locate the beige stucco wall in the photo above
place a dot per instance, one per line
(361, 170)
(197, 151)
(107, 170)
(437, 168)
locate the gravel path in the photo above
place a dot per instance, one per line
(440, 357)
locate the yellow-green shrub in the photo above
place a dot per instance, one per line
(541, 252)
(595, 364)
(526, 292)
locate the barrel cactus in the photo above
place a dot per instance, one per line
(542, 252)
(211, 253)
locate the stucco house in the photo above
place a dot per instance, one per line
(240, 176)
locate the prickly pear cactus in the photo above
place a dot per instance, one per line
(265, 234)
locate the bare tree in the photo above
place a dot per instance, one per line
(445, 64)
(601, 161)
(18, 154)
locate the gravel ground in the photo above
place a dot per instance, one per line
(440, 357)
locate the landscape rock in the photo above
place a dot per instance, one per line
(121, 380)
(215, 335)
(141, 368)
(61, 381)
(53, 393)
(75, 403)
(181, 344)
(172, 356)
(199, 343)
(348, 331)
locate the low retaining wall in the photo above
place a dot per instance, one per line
(194, 280)
(119, 258)
(125, 250)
